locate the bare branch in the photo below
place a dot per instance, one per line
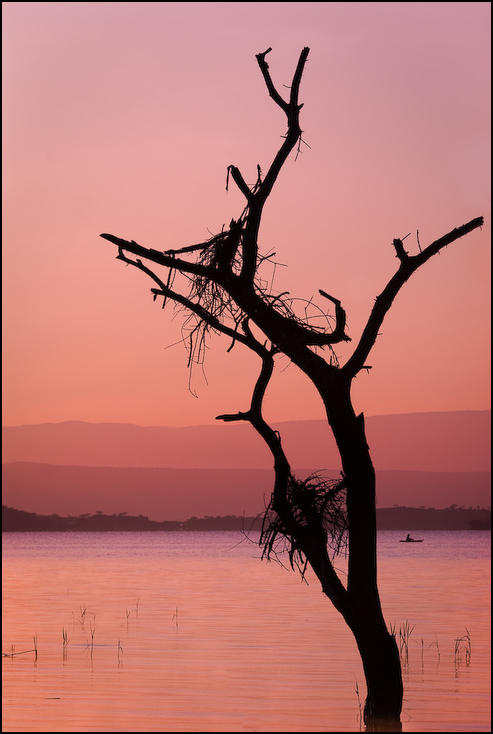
(292, 111)
(239, 181)
(195, 308)
(230, 417)
(295, 87)
(299, 511)
(400, 251)
(409, 264)
(447, 239)
(158, 257)
(264, 68)
(338, 333)
(263, 189)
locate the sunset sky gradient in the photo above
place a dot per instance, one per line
(123, 118)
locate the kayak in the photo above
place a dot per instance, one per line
(411, 541)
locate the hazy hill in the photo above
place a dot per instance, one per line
(176, 494)
(441, 442)
(430, 459)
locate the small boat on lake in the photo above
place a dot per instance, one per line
(410, 540)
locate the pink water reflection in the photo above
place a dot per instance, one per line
(175, 639)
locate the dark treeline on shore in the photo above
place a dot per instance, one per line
(389, 518)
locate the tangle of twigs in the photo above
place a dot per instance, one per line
(314, 502)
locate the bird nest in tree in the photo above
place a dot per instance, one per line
(315, 505)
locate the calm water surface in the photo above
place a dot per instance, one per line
(183, 632)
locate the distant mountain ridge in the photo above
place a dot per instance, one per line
(457, 441)
(176, 494)
(430, 459)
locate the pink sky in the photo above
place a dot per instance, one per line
(123, 118)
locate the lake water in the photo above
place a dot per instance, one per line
(192, 632)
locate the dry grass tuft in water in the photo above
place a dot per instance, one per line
(463, 643)
(13, 653)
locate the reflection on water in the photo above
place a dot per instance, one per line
(192, 632)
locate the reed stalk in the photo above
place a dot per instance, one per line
(404, 637)
(90, 645)
(438, 649)
(13, 653)
(360, 707)
(463, 643)
(64, 643)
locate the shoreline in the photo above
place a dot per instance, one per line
(388, 518)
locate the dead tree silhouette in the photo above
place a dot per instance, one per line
(217, 284)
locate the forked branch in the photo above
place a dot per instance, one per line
(408, 265)
(263, 188)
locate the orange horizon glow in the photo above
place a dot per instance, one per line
(123, 118)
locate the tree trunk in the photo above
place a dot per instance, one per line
(378, 649)
(381, 663)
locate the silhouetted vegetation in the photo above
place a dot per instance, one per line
(21, 521)
(388, 518)
(420, 518)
